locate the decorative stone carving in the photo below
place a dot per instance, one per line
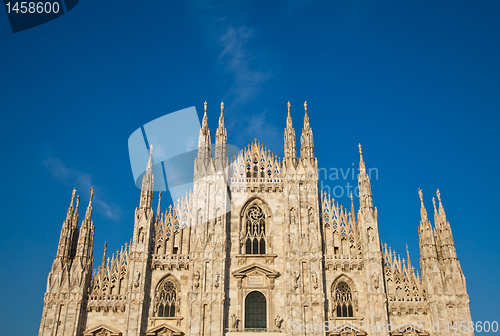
(137, 277)
(234, 321)
(315, 280)
(196, 278)
(278, 321)
(216, 279)
(375, 281)
(296, 277)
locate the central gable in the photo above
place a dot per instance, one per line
(255, 163)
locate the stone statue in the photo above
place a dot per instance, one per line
(216, 280)
(375, 280)
(296, 279)
(137, 276)
(196, 277)
(234, 321)
(278, 322)
(141, 235)
(242, 239)
(315, 280)
(311, 216)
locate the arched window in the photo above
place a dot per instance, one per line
(342, 298)
(255, 311)
(167, 299)
(255, 231)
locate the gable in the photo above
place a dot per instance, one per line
(164, 329)
(102, 330)
(269, 272)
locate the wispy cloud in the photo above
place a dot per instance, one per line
(81, 181)
(246, 66)
(235, 57)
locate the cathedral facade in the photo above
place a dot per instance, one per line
(255, 248)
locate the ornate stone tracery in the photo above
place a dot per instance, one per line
(166, 301)
(343, 300)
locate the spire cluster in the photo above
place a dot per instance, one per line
(403, 282)
(306, 142)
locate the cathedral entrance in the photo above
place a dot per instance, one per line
(255, 311)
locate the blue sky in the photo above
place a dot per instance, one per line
(416, 83)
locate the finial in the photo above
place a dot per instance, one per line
(360, 151)
(150, 160)
(104, 254)
(305, 106)
(159, 205)
(91, 194)
(421, 196)
(408, 257)
(434, 203)
(72, 197)
(77, 203)
(221, 108)
(288, 104)
(205, 107)
(439, 198)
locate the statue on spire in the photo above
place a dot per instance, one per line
(290, 148)
(73, 196)
(439, 198)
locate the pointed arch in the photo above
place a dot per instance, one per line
(256, 200)
(166, 302)
(343, 294)
(255, 217)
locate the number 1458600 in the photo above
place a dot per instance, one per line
(32, 7)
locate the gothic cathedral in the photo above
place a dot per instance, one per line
(254, 248)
